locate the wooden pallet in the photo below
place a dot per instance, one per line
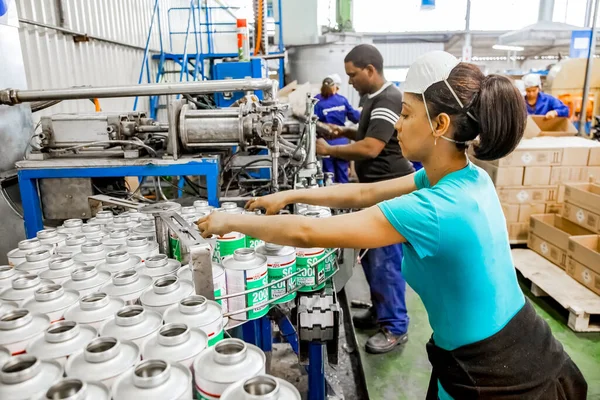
(549, 280)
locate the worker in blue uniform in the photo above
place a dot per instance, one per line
(334, 109)
(540, 103)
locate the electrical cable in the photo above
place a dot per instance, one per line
(177, 187)
(242, 169)
(10, 202)
(132, 142)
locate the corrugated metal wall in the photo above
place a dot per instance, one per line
(53, 59)
(404, 54)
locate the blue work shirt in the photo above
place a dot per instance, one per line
(334, 110)
(546, 103)
(457, 256)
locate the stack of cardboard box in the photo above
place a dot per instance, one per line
(531, 179)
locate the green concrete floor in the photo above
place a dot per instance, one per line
(404, 372)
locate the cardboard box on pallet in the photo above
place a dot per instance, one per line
(550, 235)
(583, 275)
(581, 217)
(528, 194)
(584, 195)
(518, 231)
(586, 251)
(521, 212)
(594, 159)
(502, 176)
(572, 174)
(537, 176)
(553, 208)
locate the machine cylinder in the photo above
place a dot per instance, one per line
(201, 128)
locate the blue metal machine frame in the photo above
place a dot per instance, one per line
(32, 213)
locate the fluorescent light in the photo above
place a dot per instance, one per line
(507, 48)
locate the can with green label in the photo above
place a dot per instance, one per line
(227, 244)
(246, 270)
(329, 263)
(281, 262)
(306, 260)
(251, 242)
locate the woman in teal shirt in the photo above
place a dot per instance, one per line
(487, 340)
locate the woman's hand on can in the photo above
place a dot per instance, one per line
(272, 203)
(216, 223)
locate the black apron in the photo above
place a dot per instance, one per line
(523, 361)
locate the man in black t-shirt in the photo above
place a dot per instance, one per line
(378, 157)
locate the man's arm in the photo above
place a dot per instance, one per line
(561, 109)
(351, 113)
(361, 150)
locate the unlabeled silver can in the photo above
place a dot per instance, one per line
(133, 323)
(22, 288)
(4, 355)
(219, 283)
(227, 362)
(94, 232)
(103, 218)
(117, 238)
(60, 340)
(17, 256)
(165, 292)
(141, 247)
(203, 206)
(94, 309)
(175, 342)
(60, 269)
(261, 387)
(18, 327)
(134, 215)
(189, 211)
(158, 266)
(162, 207)
(198, 312)
(52, 238)
(76, 389)
(26, 377)
(146, 229)
(72, 246)
(87, 280)
(92, 253)
(123, 221)
(118, 261)
(324, 212)
(128, 286)
(36, 262)
(103, 359)
(154, 380)
(71, 227)
(6, 306)
(52, 300)
(7, 275)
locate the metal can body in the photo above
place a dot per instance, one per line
(18, 327)
(203, 206)
(154, 380)
(4, 355)
(7, 275)
(307, 279)
(219, 282)
(198, 312)
(6, 306)
(135, 215)
(324, 212)
(104, 359)
(71, 227)
(60, 269)
(262, 387)
(123, 222)
(76, 389)
(159, 265)
(141, 247)
(227, 244)
(175, 342)
(94, 232)
(146, 229)
(92, 253)
(118, 261)
(128, 286)
(52, 238)
(36, 262)
(17, 256)
(247, 270)
(22, 288)
(133, 323)
(87, 280)
(72, 246)
(94, 309)
(117, 238)
(281, 262)
(52, 300)
(26, 377)
(60, 340)
(227, 362)
(165, 292)
(103, 218)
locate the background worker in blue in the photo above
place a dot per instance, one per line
(334, 109)
(540, 103)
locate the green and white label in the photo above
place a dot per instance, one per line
(253, 242)
(227, 244)
(240, 281)
(305, 261)
(174, 248)
(329, 263)
(279, 272)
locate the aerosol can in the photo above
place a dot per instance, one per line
(165, 292)
(281, 262)
(135, 215)
(123, 221)
(52, 300)
(52, 238)
(6, 306)
(154, 380)
(26, 377)
(60, 340)
(198, 312)
(103, 359)
(247, 270)
(76, 389)
(175, 342)
(146, 229)
(60, 269)
(87, 280)
(262, 387)
(227, 244)
(203, 206)
(118, 261)
(7, 275)
(219, 281)
(128, 286)
(71, 227)
(4, 355)
(17, 256)
(141, 247)
(94, 232)
(94, 309)
(72, 246)
(133, 323)
(22, 288)
(102, 218)
(18, 327)
(159, 265)
(117, 238)
(36, 262)
(92, 253)
(225, 363)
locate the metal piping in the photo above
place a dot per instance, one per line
(15, 96)
(588, 74)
